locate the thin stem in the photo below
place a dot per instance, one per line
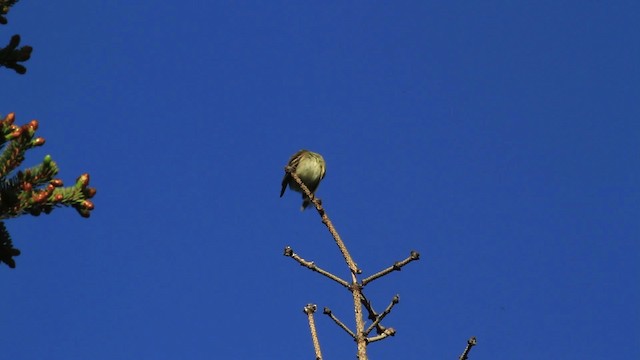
(387, 332)
(344, 327)
(309, 310)
(397, 266)
(325, 220)
(288, 251)
(470, 343)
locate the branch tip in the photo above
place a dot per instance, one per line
(470, 343)
(310, 309)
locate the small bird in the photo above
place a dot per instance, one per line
(310, 167)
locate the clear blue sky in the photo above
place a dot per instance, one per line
(498, 138)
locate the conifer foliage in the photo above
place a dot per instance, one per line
(34, 190)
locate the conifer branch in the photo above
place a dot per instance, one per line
(34, 190)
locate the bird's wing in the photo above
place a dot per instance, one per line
(293, 162)
(295, 158)
(285, 182)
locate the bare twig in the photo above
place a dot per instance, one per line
(394, 301)
(470, 343)
(325, 220)
(309, 310)
(355, 287)
(397, 266)
(288, 251)
(344, 327)
(373, 315)
(387, 332)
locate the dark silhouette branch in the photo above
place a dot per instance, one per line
(394, 301)
(11, 55)
(470, 343)
(373, 315)
(7, 251)
(5, 5)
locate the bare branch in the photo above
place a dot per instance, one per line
(288, 251)
(361, 338)
(344, 327)
(394, 301)
(355, 286)
(373, 315)
(397, 266)
(309, 310)
(325, 220)
(387, 332)
(470, 343)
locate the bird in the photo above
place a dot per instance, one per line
(310, 167)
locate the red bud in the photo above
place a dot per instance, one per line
(87, 204)
(38, 141)
(90, 192)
